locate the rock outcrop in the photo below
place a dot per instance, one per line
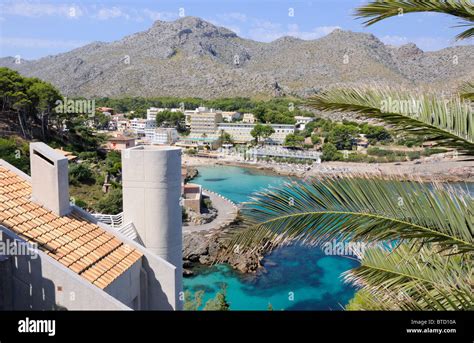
(207, 248)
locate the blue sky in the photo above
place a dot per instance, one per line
(33, 29)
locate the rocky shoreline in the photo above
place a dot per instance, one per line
(209, 247)
(429, 170)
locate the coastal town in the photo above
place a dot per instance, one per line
(231, 156)
(213, 136)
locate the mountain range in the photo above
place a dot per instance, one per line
(192, 57)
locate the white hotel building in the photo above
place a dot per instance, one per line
(161, 135)
(138, 125)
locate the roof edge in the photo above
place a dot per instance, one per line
(14, 169)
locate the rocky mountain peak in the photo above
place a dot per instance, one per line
(193, 57)
(191, 26)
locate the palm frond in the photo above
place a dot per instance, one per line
(469, 33)
(447, 121)
(405, 279)
(467, 91)
(358, 209)
(364, 300)
(376, 11)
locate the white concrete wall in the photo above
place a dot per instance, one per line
(126, 288)
(42, 283)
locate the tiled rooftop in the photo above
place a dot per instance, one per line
(72, 240)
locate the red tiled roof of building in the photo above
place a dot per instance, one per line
(72, 240)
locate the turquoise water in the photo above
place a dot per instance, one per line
(236, 183)
(293, 278)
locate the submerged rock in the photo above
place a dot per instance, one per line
(187, 273)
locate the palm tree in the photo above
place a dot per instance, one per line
(446, 120)
(419, 237)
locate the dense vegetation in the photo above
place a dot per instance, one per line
(33, 109)
(171, 119)
(29, 111)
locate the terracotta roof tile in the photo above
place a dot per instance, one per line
(80, 245)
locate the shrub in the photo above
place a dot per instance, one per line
(330, 153)
(315, 139)
(413, 155)
(80, 173)
(81, 203)
(16, 153)
(111, 203)
(207, 203)
(88, 155)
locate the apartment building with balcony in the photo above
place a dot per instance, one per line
(302, 121)
(205, 122)
(138, 126)
(248, 118)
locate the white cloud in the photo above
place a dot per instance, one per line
(233, 16)
(315, 33)
(21, 42)
(37, 9)
(154, 15)
(111, 13)
(126, 13)
(394, 40)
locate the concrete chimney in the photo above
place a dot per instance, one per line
(49, 178)
(151, 179)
